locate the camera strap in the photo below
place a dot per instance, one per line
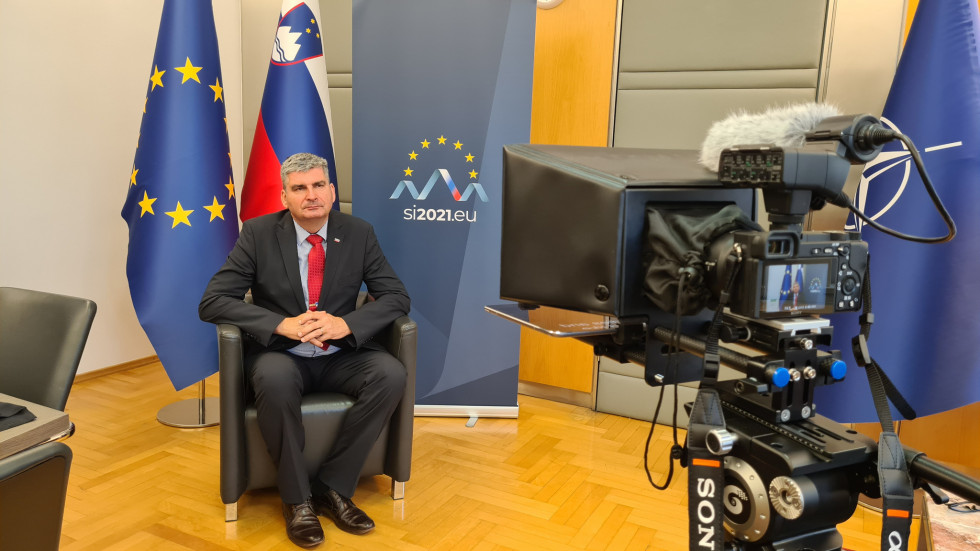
(896, 493)
(882, 388)
(893, 476)
(706, 479)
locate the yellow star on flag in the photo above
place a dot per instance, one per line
(469, 157)
(157, 78)
(180, 216)
(215, 209)
(189, 71)
(473, 174)
(313, 21)
(442, 140)
(231, 188)
(308, 31)
(408, 171)
(217, 94)
(425, 144)
(458, 145)
(132, 179)
(146, 204)
(413, 155)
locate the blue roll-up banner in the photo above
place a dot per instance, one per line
(439, 87)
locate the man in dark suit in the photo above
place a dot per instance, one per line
(297, 343)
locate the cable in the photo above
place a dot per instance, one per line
(673, 347)
(963, 507)
(845, 201)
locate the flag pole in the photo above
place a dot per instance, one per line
(193, 413)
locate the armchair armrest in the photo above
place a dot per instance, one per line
(231, 384)
(400, 339)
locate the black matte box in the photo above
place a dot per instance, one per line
(574, 221)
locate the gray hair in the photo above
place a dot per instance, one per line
(302, 162)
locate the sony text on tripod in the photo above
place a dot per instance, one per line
(440, 159)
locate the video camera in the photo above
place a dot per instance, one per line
(673, 257)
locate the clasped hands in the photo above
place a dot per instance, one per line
(314, 327)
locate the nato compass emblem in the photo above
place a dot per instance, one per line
(885, 161)
(436, 156)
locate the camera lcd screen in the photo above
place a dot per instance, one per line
(795, 289)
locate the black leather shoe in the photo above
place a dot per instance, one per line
(302, 526)
(343, 512)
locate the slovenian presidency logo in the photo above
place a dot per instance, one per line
(438, 161)
(890, 160)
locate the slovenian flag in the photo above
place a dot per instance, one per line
(295, 113)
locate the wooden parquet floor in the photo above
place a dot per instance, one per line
(558, 478)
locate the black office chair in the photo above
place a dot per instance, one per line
(33, 484)
(42, 336)
(245, 461)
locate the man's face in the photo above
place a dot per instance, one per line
(795, 288)
(308, 196)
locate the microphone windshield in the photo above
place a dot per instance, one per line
(781, 126)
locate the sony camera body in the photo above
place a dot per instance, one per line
(786, 274)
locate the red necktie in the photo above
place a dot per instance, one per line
(314, 273)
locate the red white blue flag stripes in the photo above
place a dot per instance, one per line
(295, 113)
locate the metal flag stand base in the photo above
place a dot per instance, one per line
(191, 414)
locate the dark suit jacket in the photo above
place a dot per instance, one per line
(265, 260)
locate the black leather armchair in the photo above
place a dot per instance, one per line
(245, 462)
(38, 368)
(34, 365)
(33, 484)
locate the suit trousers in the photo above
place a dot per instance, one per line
(373, 378)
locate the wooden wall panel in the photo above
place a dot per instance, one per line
(573, 68)
(952, 437)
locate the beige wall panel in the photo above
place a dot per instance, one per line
(748, 78)
(678, 119)
(702, 35)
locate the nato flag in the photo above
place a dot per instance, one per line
(926, 297)
(181, 202)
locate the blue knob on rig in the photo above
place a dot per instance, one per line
(779, 377)
(837, 369)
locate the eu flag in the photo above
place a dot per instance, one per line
(926, 297)
(295, 113)
(181, 203)
(786, 288)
